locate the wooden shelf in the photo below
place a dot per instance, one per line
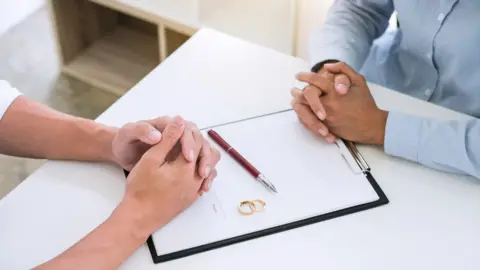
(269, 23)
(113, 44)
(117, 61)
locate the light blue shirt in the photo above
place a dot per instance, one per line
(433, 56)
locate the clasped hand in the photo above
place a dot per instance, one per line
(337, 103)
(162, 185)
(133, 140)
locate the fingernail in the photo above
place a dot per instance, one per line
(323, 132)
(342, 87)
(155, 136)
(190, 155)
(207, 171)
(209, 185)
(321, 115)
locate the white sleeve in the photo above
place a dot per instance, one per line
(7, 95)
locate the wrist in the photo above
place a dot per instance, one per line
(378, 126)
(108, 136)
(93, 140)
(130, 213)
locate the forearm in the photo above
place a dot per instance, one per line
(349, 30)
(30, 129)
(107, 247)
(450, 146)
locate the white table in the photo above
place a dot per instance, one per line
(432, 221)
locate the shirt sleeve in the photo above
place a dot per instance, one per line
(450, 146)
(7, 95)
(350, 28)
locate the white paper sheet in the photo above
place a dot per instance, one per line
(311, 176)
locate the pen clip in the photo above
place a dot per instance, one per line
(352, 156)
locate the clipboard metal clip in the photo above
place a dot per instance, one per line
(355, 160)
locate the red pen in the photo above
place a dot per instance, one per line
(240, 159)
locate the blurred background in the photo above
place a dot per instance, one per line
(80, 56)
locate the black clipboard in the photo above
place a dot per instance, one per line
(383, 200)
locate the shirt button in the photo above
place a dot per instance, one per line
(428, 55)
(440, 17)
(428, 92)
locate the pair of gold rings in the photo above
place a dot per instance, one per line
(247, 208)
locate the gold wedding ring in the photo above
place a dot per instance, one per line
(249, 207)
(246, 208)
(262, 205)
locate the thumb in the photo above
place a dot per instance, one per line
(171, 136)
(146, 132)
(142, 131)
(342, 84)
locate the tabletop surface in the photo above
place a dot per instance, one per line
(431, 222)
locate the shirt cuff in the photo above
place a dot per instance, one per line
(402, 135)
(8, 94)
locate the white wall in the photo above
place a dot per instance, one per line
(14, 11)
(311, 14)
